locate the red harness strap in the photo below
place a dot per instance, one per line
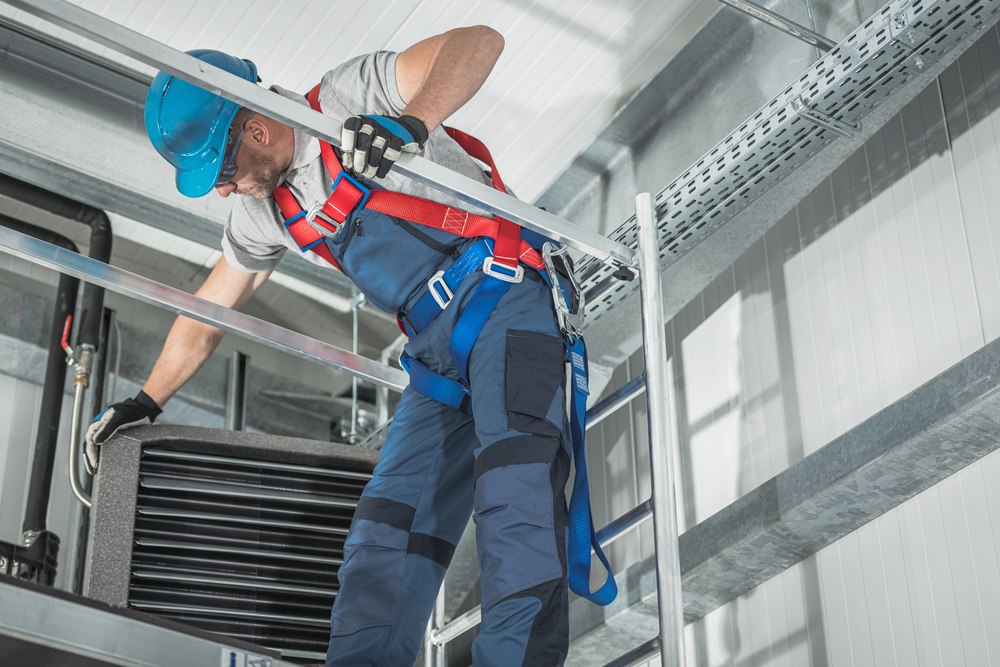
(304, 234)
(509, 248)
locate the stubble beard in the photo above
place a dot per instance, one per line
(267, 176)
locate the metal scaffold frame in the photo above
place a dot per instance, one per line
(830, 100)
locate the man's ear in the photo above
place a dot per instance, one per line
(258, 132)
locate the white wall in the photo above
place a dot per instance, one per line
(879, 280)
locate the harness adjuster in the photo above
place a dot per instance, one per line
(508, 274)
(292, 223)
(346, 195)
(445, 295)
(325, 225)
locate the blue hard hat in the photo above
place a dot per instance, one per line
(189, 126)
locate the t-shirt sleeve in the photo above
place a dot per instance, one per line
(247, 247)
(363, 85)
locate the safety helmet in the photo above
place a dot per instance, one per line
(189, 126)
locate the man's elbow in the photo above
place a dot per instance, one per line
(489, 40)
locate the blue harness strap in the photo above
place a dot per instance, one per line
(436, 386)
(429, 306)
(473, 318)
(582, 535)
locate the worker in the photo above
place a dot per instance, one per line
(483, 424)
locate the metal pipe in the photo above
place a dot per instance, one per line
(610, 405)
(43, 458)
(356, 305)
(321, 126)
(182, 303)
(236, 399)
(661, 453)
(781, 23)
(434, 650)
(624, 523)
(76, 425)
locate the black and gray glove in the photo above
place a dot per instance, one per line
(372, 144)
(130, 412)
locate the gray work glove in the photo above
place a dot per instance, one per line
(130, 412)
(370, 145)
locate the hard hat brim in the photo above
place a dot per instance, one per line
(199, 182)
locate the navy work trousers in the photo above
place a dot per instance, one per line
(508, 464)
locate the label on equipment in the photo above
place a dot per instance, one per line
(233, 657)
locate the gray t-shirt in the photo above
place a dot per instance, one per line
(255, 237)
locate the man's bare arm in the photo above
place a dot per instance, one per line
(437, 76)
(190, 343)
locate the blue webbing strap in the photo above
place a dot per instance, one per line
(473, 318)
(580, 518)
(582, 535)
(436, 386)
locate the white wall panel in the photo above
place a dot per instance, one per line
(879, 280)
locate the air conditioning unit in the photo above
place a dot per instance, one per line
(235, 533)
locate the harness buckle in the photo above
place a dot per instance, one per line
(506, 273)
(570, 319)
(326, 225)
(443, 297)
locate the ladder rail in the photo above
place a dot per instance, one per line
(662, 457)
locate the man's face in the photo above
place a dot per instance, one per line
(257, 171)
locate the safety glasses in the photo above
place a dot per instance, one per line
(228, 170)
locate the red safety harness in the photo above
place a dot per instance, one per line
(509, 249)
(348, 195)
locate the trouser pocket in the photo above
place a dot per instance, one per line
(534, 375)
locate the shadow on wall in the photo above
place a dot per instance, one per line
(739, 333)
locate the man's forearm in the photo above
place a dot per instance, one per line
(189, 345)
(456, 64)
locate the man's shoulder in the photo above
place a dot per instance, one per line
(250, 212)
(365, 84)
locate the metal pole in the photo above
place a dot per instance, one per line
(321, 126)
(661, 453)
(356, 305)
(434, 651)
(781, 23)
(236, 400)
(182, 303)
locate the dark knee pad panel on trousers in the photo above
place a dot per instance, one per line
(535, 627)
(534, 376)
(521, 515)
(376, 553)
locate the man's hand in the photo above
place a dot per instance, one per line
(372, 144)
(131, 412)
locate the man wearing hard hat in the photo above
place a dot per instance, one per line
(482, 425)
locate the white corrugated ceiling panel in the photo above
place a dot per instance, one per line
(568, 66)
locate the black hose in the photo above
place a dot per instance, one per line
(100, 244)
(40, 480)
(89, 330)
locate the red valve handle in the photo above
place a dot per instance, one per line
(66, 327)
